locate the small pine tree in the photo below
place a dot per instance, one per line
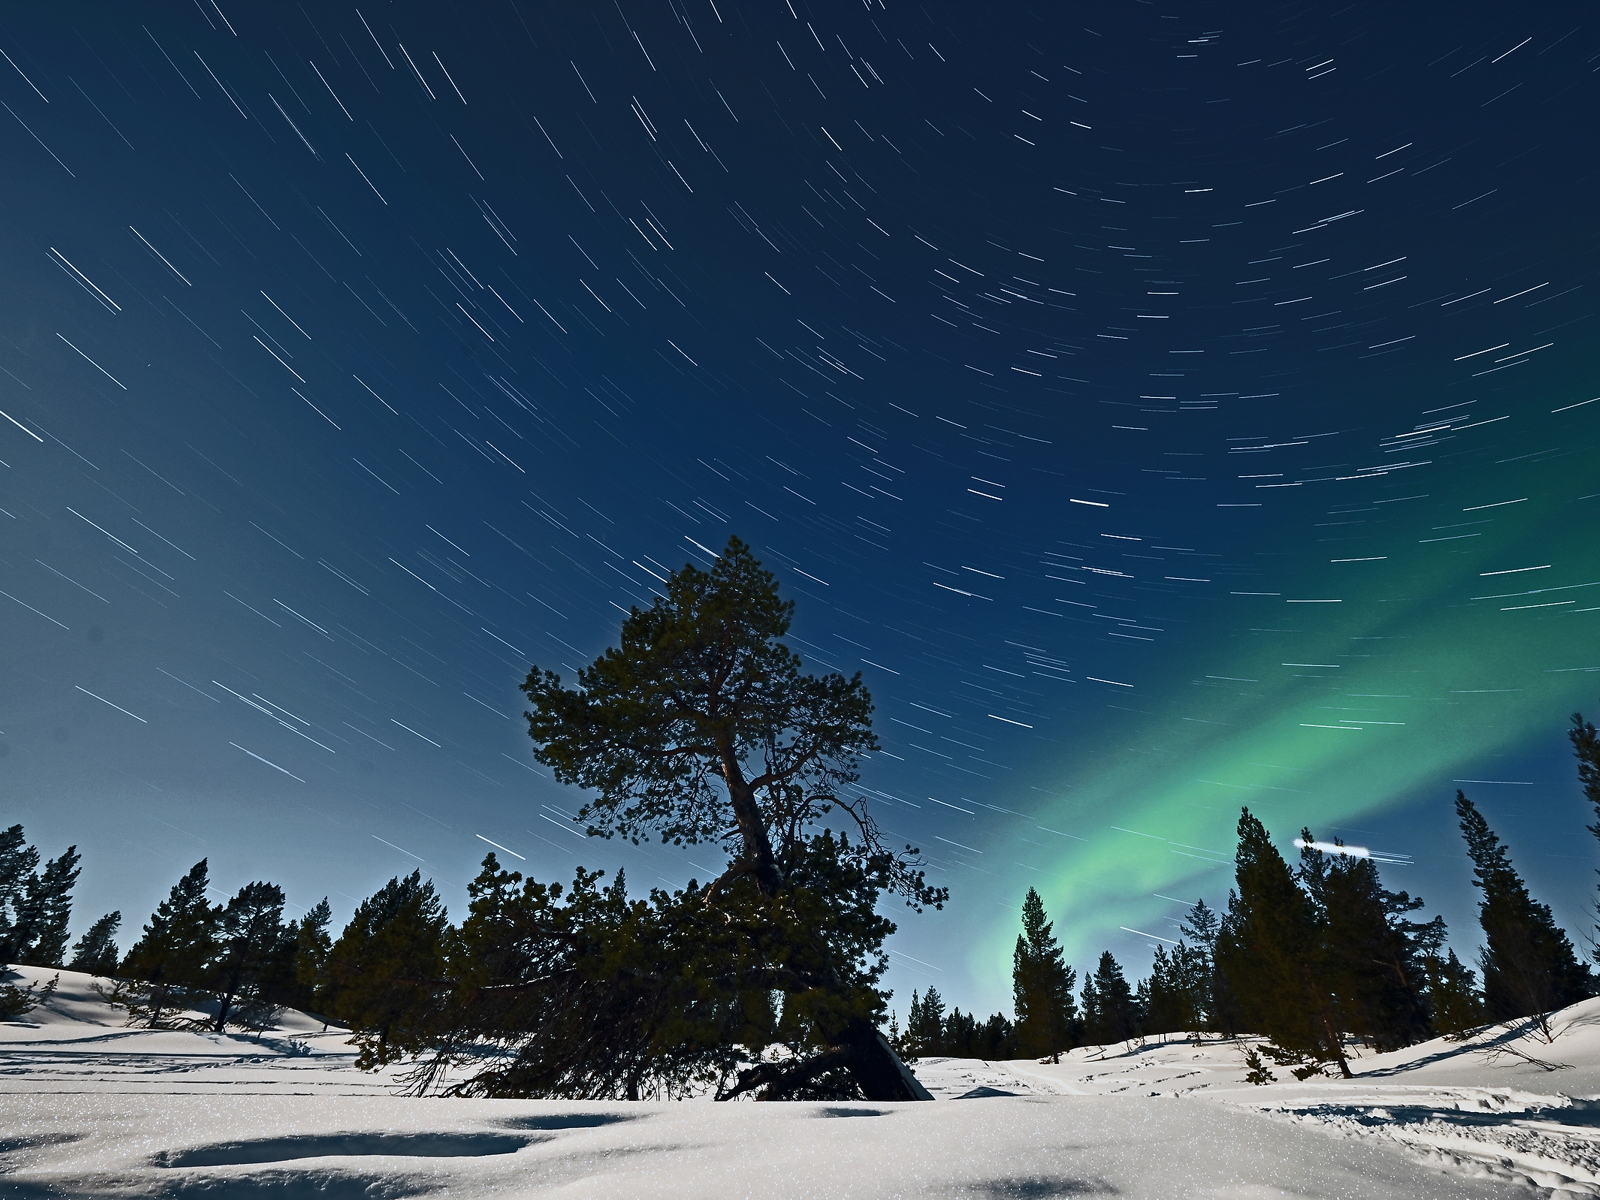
(997, 1039)
(961, 1034)
(18, 862)
(1176, 996)
(1041, 985)
(311, 948)
(178, 944)
(1454, 1004)
(1529, 966)
(96, 951)
(1201, 926)
(386, 969)
(251, 938)
(925, 1025)
(1110, 1013)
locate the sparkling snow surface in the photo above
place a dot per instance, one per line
(89, 1107)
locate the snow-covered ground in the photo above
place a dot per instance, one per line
(90, 1108)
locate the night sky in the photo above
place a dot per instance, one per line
(1166, 407)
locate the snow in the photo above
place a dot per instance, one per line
(91, 1108)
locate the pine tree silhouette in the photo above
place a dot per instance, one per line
(1529, 966)
(96, 951)
(1041, 986)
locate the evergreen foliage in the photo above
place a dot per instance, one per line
(1269, 949)
(35, 906)
(312, 945)
(931, 1032)
(1109, 1012)
(18, 862)
(925, 1025)
(1454, 1004)
(1369, 956)
(386, 971)
(176, 946)
(96, 951)
(1529, 966)
(18, 1002)
(1041, 986)
(254, 958)
(1586, 748)
(1177, 996)
(700, 727)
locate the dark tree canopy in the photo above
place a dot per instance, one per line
(1268, 949)
(35, 906)
(1369, 955)
(1529, 965)
(96, 950)
(1041, 985)
(700, 727)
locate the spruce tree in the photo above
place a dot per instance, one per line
(1041, 986)
(177, 946)
(1529, 966)
(96, 951)
(1267, 953)
(926, 1027)
(1114, 1017)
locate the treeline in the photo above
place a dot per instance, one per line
(588, 992)
(238, 964)
(1313, 956)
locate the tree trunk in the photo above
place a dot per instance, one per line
(875, 1066)
(747, 813)
(1337, 1048)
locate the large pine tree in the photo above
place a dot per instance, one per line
(1041, 986)
(1267, 951)
(1529, 966)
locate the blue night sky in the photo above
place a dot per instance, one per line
(1166, 407)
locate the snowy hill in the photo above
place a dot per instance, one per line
(89, 1107)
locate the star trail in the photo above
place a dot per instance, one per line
(1165, 407)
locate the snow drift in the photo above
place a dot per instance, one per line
(91, 1108)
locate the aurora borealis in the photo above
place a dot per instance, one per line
(1164, 407)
